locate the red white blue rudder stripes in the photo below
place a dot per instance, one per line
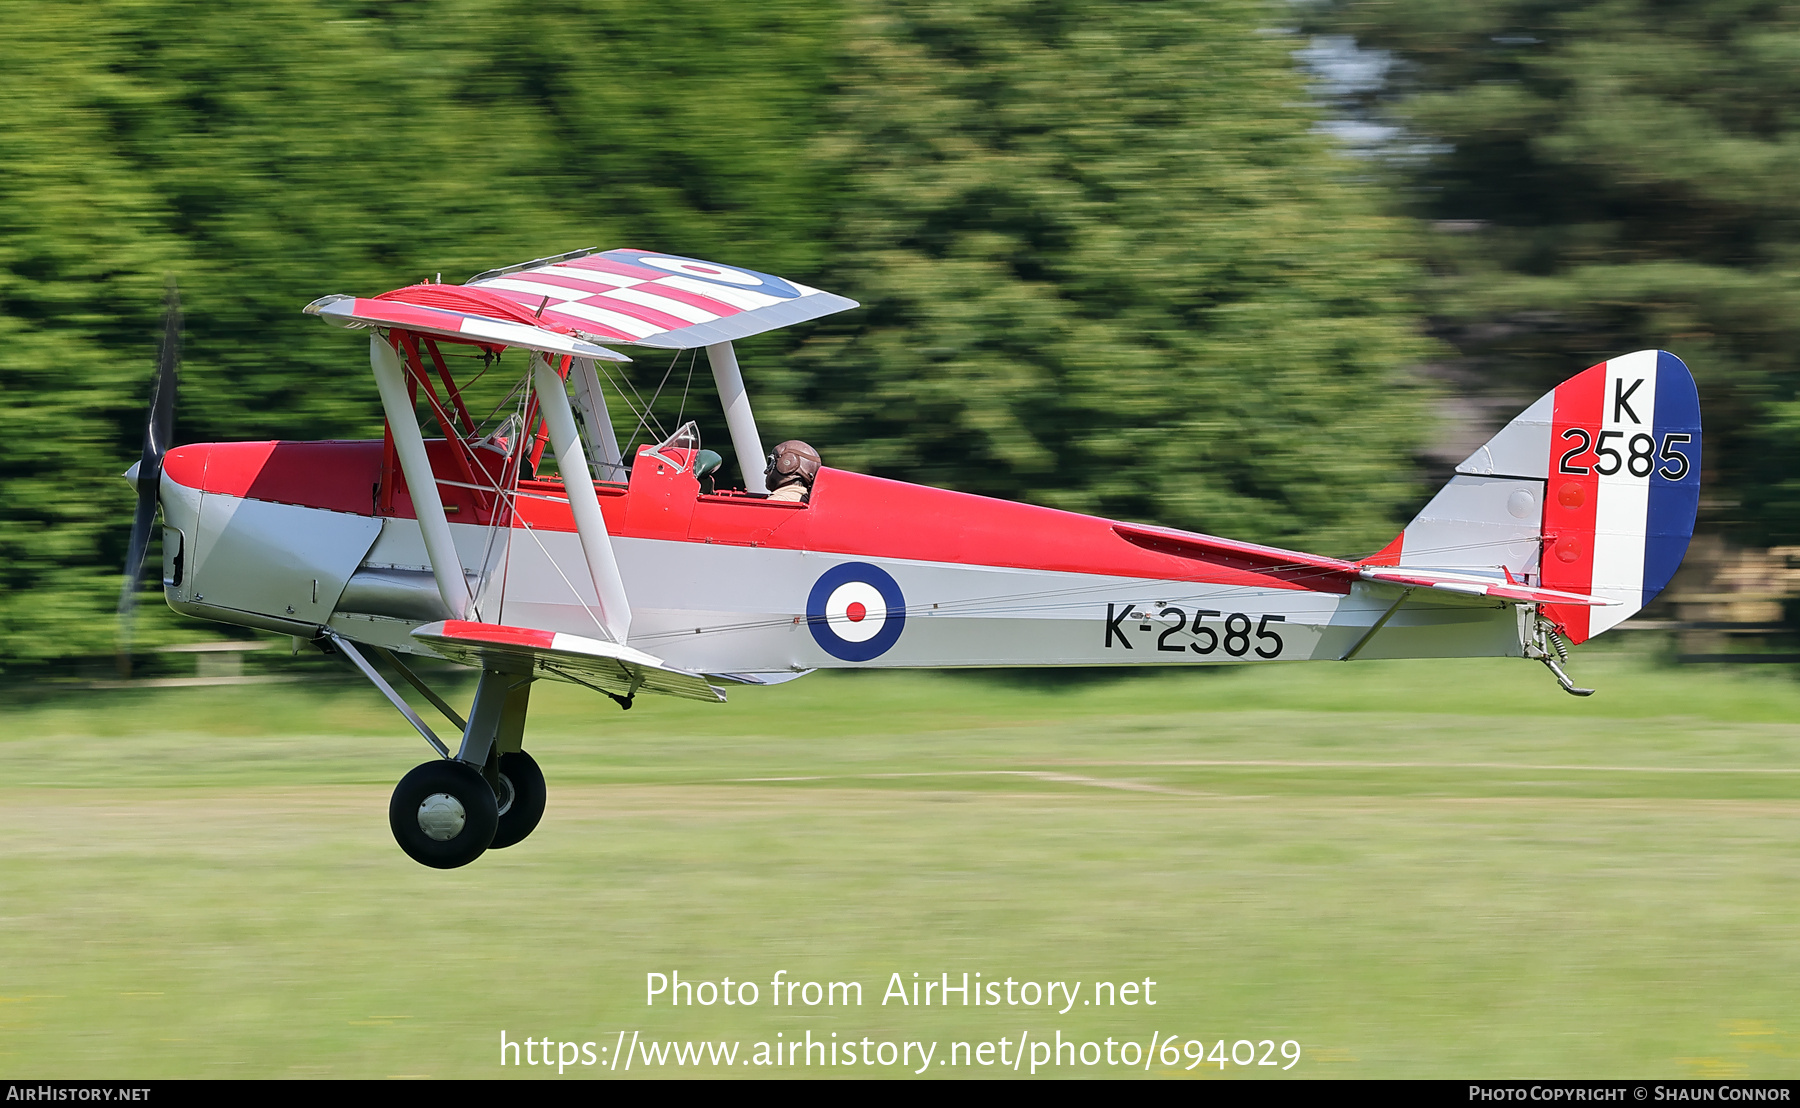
(1623, 485)
(1591, 490)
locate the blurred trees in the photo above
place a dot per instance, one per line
(1608, 175)
(1106, 263)
(266, 153)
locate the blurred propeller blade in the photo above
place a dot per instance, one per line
(158, 431)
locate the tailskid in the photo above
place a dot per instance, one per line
(1547, 646)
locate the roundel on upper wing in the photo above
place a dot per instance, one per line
(766, 283)
(711, 272)
(855, 611)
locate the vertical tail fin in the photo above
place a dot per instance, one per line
(1593, 489)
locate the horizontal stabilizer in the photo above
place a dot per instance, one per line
(614, 668)
(1323, 574)
(1477, 586)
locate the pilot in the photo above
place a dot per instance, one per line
(792, 467)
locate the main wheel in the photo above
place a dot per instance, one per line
(443, 814)
(523, 798)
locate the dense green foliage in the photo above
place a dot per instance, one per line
(1105, 260)
(1606, 176)
(1106, 265)
(266, 153)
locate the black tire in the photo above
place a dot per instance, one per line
(443, 814)
(528, 795)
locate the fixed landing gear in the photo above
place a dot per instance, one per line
(489, 794)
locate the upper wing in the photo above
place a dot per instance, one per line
(571, 303)
(660, 300)
(570, 657)
(463, 322)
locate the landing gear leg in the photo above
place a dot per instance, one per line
(519, 783)
(446, 813)
(491, 794)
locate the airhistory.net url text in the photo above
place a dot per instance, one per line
(1028, 1053)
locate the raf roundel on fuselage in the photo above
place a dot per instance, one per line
(856, 611)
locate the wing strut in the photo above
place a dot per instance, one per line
(1350, 655)
(578, 483)
(425, 690)
(342, 645)
(603, 441)
(738, 416)
(421, 482)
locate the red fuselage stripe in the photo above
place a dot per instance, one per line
(849, 514)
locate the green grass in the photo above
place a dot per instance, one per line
(1443, 869)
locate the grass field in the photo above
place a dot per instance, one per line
(1440, 869)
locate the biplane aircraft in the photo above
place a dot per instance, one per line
(654, 573)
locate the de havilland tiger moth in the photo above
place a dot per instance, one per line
(654, 573)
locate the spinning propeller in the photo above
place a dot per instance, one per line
(158, 431)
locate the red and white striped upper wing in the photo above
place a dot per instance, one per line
(459, 325)
(659, 300)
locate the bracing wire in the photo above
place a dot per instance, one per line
(681, 409)
(517, 393)
(648, 420)
(516, 521)
(508, 495)
(640, 409)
